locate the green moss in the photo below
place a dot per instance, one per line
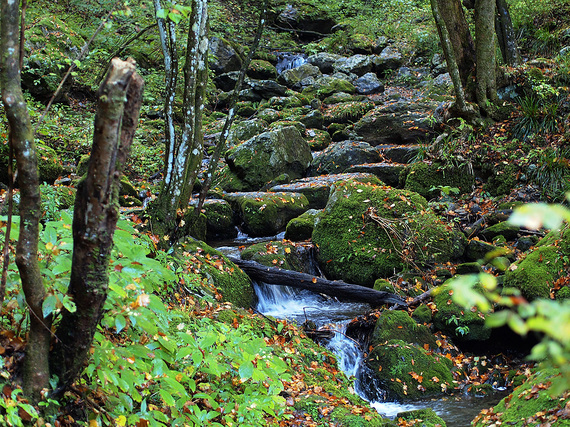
(261, 69)
(301, 228)
(355, 247)
(426, 179)
(529, 404)
(326, 86)
(343, 417)
(228, 180)
(318, 139)
(346, 112)
(457, 322)
(219, 219)
(422, 314)
(231, 281)
(396, 324)
(407, 371)
(284, 123)
(424, 418)
(536, 273)
(503, 179)
(276, 253)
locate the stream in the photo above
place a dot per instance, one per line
(297, 305)
(300, 305)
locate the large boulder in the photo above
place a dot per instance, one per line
(49, 164)
(398, 325)
(223, 57)
(325, 61)
(282, 254)
(325, 86)
(407, 371)
(427, 179)
(293, 77)
(340, 156)
(537, 274)
(268, 155)
(247, 129)
(317, 189)
(265, 214)
(389, 59)
(368, 84)
(356, 64)
(368, 231)
(400, 122)
(311, 21)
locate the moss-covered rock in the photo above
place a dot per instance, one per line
(422, 417)
(282, 254)
(219, 219)
(344, 417)
(506, 229)
(318, 139)
(265, 214)
(407, 371)
(398, 325)
(502, 180)
(365, 229)
(265, 156)
(326, 86)
(422, 314)
(261, 69)
(301, 228)
(426, 179)
(49, 164)
(212, 265)
(246, 129)
(529, 405)
(455, 321)
(346, 112)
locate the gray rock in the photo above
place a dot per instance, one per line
(293, 77)
(340, 156)
(223, 57)
(368, 84)
(325, 61)
(389, 59)
(356, 64)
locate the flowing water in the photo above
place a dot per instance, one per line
(301, 305)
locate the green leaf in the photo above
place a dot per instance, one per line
(49, 304)
(68, 303)
(517, 324)
(497, 319)
(161, 14)
(537, 215)
(167, 397)
(63, 265)
(246, 370)
(175, 385)
(120, 322)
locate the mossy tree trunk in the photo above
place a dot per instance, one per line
(184, 152)
(36, 369)
(485, 51)
(95, 217)
(506, 35)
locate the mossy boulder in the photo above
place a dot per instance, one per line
(219, 219)
(340, 156)
(407, 371)
(365, 228)
(318, 139)
(234, 285)
(530, 404)
(246, 129)
(313, 119)
(401, 122)
(265, 214)
(326, 86)
(265, 156)
(422, 417)
(346, 112)
(398, 325)
(426, 179)
(422, 314)
(502, 180)
(301, 228)
(228, 180)
(261, 69)
(536, 274)
(317, 189)
(343, 416)
(282, 254)
(293, 77)
(49, 164)
(457, 322)
(506, 229)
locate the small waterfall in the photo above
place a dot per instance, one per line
(287, 61)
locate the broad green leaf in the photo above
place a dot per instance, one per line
(49, 304)
(246, 370)
(175, 385)
(538, 215)
(68, 303)
(497, 319)
(517, 324)
(167, 397)
(63, 265)
(120, 322)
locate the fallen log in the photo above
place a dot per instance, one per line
(335, 288)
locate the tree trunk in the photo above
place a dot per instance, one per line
(95, 217)
(485, 49)
(451, 12)
(506, 35)
(450, 56)
(184, 156)
(36, 370)
(335, 288)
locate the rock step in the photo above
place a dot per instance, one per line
(388, 173)
(398, 153)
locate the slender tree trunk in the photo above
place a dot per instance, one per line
(36, 370)
(95, 217)
(221, 145)
(506, 35)
(485, 49)
(184, 154)
(451, 12)
(450, 55)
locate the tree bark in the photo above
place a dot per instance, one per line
(335, 288)
(506, 35)
(485, 52)
(451, 12)
(36, 370)
(95, 217)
